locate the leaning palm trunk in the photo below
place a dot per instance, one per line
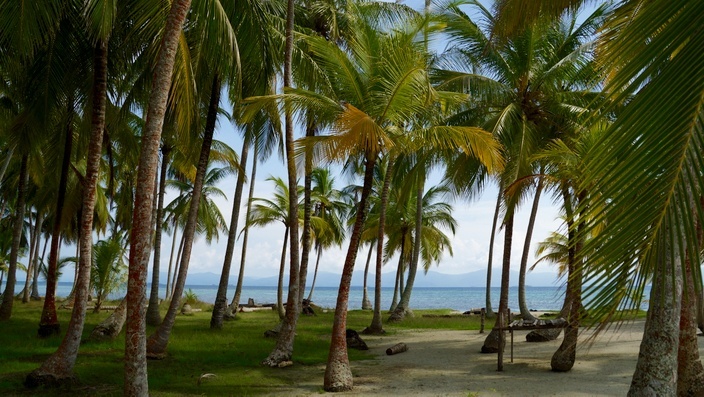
(111, 327)
(33, 259)
(8, 297)
(495, 341)
(49, 323)
(284, 344)
(240, 277)
(153, 315)
(338, 376)
(489, 311)
(397, 284)
(216, 319)
(563, 359)
(59, 366)
(403, 309)
(280, 284)
(319, 250)
(655, 373)
(136, 383)
(690, 372)
(366, 304)
(157, 342)
(35, 279)
(525, 312)
(376, 326)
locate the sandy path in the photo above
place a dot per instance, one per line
(448, 363)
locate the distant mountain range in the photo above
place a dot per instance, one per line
(431, 279)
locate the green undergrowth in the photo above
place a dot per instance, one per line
(232, 355)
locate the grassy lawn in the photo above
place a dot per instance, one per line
(232, 354)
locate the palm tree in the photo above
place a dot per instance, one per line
(539, 78)
(364, 117)
(331, 208)
(268, 211)
(108, 267)
(135, 345)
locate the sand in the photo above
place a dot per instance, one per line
(448, 363)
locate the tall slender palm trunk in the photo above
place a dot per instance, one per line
(171, 260)
(8, 297)
(245, 238)
(283, 350)
(35, 278)
(376, 326)
(403, 308)
(153, 315)
(366, 304)
(136, 383)
(338, 376)
(307, 210)
(34, 254)
(319, 252)
(525, 312)
(489, 310)
(59, 366)
(157, 342)
(496, 339)
(216, 319)
(280, 285)
(49, 323)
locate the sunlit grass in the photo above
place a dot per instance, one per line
(233, 354)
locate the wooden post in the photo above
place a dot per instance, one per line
(483, 318)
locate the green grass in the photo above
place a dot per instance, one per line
(233, 354)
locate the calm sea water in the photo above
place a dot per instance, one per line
(538, 298)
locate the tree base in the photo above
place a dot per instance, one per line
(37, 379)
(47, 330)
(373, 331)
(543, 335)
(276, 358)
(492, 342)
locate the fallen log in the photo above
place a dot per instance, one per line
(397, 348)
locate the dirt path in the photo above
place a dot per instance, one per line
(448, 363)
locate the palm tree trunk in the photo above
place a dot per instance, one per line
(525, 312)
(136, 383)
(240, 277)
(563, 359)
(49, 323)
(284, 344)
(366, 304)
(399, 277)
(496, 339)
(403, 308)
(177, 266)
(280, 285)
(376, 326)
(489, 310)
(338, 376)
(9, 294)
(35, 279)
(690, 372)
(307, 209)
(111, 327)
(5, 164)
(157, 342)
(171, 260)
(153, 315)
(33, 252)
(655, 370)
(315, 274)
(216, 319)
(60, 364)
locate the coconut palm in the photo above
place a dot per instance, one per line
(529, 86)
(268, 211)
(364, 117)
(331, 208)
(109, 267)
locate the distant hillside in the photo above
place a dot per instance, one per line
(431, 279)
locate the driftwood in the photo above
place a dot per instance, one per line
(396, 349)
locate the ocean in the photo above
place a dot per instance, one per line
(462, 299)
